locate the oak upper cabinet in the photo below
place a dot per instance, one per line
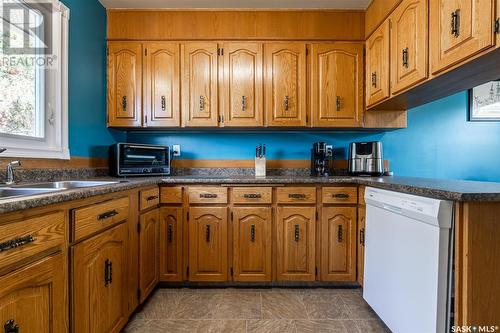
(124, 84)
(285, 84)
(497, 23)
(377, 65)
(208, 244)
(200, 71)
(162, 85)
(252, 243)
(295, 232)
(458, 30)
(338, 244)
(33, 298)
(361, 243)
(337, 84)
(242, 90)
(98, 282)
(171, 244)
(149, 228)
(409, 38)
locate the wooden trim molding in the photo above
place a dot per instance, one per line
(140, 25)
(74, 162)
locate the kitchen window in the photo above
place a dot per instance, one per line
(484, 102)
(33, 79)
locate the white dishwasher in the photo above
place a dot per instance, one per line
(408, 255)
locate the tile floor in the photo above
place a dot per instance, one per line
(256, 310)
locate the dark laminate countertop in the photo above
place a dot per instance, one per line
(455, 190)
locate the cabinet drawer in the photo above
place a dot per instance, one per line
(25, 238)
(251, 195)
(171, 195)
(296, 195)
(149, 198)
(340, 195)
(216, 195)
(90, 219)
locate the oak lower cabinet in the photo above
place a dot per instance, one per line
(295, 243)
(33, 298)
(98, 282)
(337, 84)
(252, 243)
(409, 40)
(361, 243)
(149, 247)
(171, 243)
(458, 30)
(208, 259)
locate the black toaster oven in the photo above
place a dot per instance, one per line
(131, 159)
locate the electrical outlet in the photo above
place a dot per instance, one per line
(176, 150)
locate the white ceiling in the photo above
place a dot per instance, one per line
(230, 4)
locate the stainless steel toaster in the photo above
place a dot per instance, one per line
(366, 159)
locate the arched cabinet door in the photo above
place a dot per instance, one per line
(377, 65)
(252, 243)
(171, 243)
(149, 248)
(208, 244)
(338, 244)
(337, 84)
(124, 84)
(285, 84)
(295, 231)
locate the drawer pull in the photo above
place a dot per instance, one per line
(12, 244)
(207, 233)
(153, 197)
(108, 272)
(252, 196)
(340, 196)
(170, 233)
(297, 196)
(11, 326)
(362, 237)
(107, 215)
(340, 235)
(208, 195)
(252, 232)
(297, 233)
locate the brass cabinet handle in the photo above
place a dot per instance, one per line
(337, 102)
(362, 237)
(10, 326)
(252, 232)
(108, 272)
(207, 233)
(297, 196)
(405, 57)
(202, 103)
(107, 215)
(296, 233)
(208, 195)
(170, 233)
(163, 103)
(340, 234)
(287, 103)
(455, 23)
(340, 196)
(153, 197)
(252, 196)
(243, 103)
(124, 103)
(374, 79)
(17, 242)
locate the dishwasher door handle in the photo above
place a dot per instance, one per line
(394, 209)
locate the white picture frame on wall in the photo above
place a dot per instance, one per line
(484, 102)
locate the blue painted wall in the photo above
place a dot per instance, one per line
(88, 135)
(439, 142)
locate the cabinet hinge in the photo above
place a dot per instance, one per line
(222, 51)
(145, 119)
(139, 294)
(138, 227)
(307, 51)
(145, 52)
(307, 119)
(107, 51)
(316, 271)
(317, 215)
(187, 216)
(232, 216)
(232, 272)
(187, 271)
(218, 51)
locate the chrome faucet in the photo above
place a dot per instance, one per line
(10, 172)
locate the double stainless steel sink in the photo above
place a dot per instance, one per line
(41, 188)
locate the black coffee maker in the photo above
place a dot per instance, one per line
(321, 159)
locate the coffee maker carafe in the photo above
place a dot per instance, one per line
(321, 159)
